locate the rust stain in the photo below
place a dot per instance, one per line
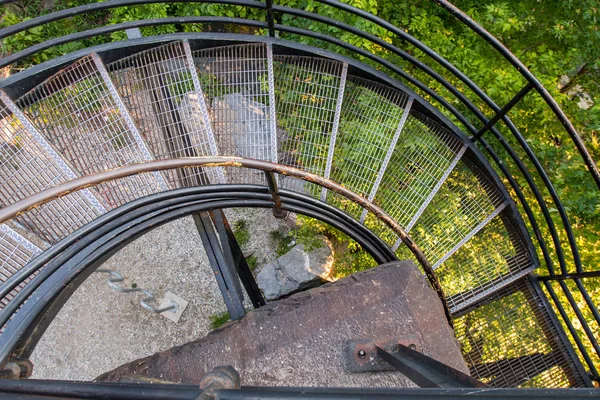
(223, 164)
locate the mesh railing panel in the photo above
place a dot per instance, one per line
(26, 168)
(235, 84)
(422, 156)
(306, 92)
(78, 116)
(510, 340)
(158, 90)
(468, 200)
(493, 258)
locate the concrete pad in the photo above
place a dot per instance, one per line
(302, 340)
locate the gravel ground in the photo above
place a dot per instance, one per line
(99, 329)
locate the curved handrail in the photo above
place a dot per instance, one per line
(68, 187)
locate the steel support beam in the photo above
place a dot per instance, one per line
(239, 261)
(562, 277)
(425, 371)
(500, 114)
(223, 270)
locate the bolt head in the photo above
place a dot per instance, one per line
(362, 353)
(412, 346)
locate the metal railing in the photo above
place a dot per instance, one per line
(483, 133)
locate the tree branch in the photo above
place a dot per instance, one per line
(581, 70)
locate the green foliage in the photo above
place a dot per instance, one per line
(218, 320)
(252, 262)
(241, 232)
(349, 256)
(281, 240)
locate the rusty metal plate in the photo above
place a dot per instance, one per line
(361, 355)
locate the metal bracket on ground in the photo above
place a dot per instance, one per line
(361, 355)
(171, 307)
(174, 313)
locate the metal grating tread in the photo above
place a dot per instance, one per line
(235, 82)
(15, 253)
(28, 165)
(509, 340)
(305, 112)
(77, 114)
(158, 89)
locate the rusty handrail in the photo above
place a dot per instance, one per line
(87, 181)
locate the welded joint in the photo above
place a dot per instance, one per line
(137, 137)
(502, 112)
(360, 355)
(133, 33)
(335, 127)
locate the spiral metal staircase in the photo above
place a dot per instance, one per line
(102, 145)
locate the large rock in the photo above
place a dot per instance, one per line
(295, 270)
(301, 340)
(242, 127)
